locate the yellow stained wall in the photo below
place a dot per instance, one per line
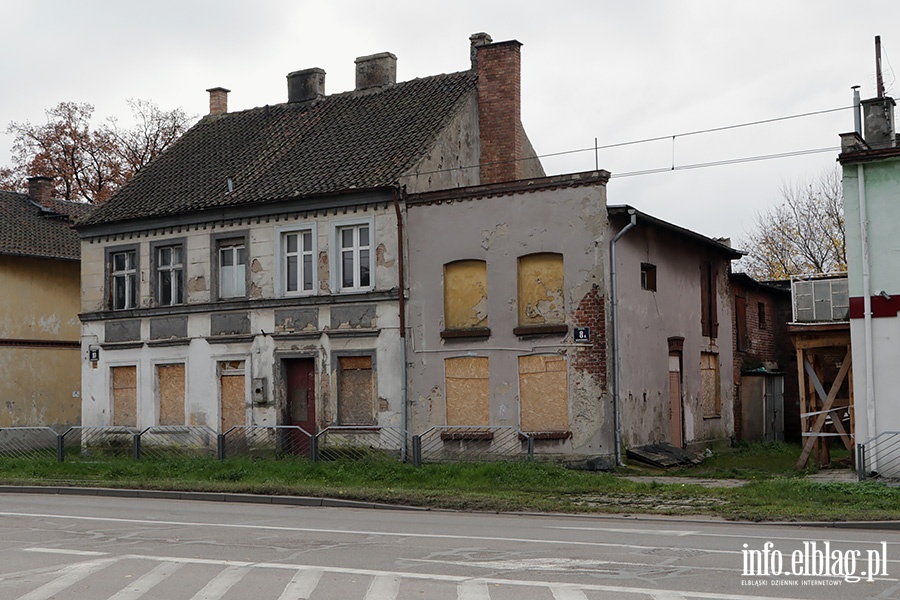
(39, 386)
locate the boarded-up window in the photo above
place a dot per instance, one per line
(710, 390)
(543, 397)
(170, 386)
(740, 323)
(709, 318)
(356, 404)
(468, 381)
(465, 295)
(124, 388)
(233, 403)
(540, 290)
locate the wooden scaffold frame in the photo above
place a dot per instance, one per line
(824, 413)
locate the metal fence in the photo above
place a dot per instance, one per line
(879, 457)
(437, 444)
(472, 444)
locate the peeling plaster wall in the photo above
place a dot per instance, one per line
(498, 230)
(647, 319)
(262, 333)
(39, 386)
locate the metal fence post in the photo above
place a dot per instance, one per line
(136, 446)
(530, 447)
(314, 448)
(861, 461)
(417, 451)
(60, 447)
(220, 446)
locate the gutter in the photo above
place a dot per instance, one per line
(401, 307)
(614, 302)
(867, 305)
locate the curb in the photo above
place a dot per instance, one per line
(203, 497)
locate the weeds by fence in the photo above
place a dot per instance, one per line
(438, 444)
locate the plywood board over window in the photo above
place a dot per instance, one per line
(124, 386)
(356, 402)
(170, 386)
(468, 382)
(540, 289)
(543, 397)
(465, 294)
(232, 399)
(710, 388)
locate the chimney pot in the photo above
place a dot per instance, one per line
(878, 122)
(478, 39)
(307, 84)
(218, 100)
(40, 190)
(376, 70)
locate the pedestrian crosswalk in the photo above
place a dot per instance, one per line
(97, 576)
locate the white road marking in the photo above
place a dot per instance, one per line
(674, 532)
(66, 551)
(567, 594)
(667, 595)
(146, 582)
(71, 575)
(471, 590)
(301, 586)
(384, 587)
(466, 585)
(565, 564)
(221, 583)
(441, 536)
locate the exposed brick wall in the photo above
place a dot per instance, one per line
(499, 111)
(591, 312)
(769, 343)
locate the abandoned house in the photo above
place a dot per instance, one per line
(39, 327)
(253, 273)
(766, 404)
(510, 318)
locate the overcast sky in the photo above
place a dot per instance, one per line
(591, 69)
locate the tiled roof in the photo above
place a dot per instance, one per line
(29, 230)
(355, 140)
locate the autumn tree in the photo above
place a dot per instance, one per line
(89, 163)
(802, 234)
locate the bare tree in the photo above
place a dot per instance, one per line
(89, 163)
(803, 234)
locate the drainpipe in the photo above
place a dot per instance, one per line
(615, 334)
(401, 306)
(867, 303)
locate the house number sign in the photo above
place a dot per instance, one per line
(582, 335)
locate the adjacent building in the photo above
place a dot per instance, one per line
(40, 368)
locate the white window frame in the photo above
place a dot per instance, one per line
(128, 275)
(281, 254)
(225, 245)
(336, 254)
(176, 274)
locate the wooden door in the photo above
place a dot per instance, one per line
(676, 420)
(300, 392)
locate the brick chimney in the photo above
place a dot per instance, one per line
(499, 108)
(40, 190)
(218, 100)
(376, 70)
(307, 84)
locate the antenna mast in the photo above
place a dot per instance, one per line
(878, 66)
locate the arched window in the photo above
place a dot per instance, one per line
(465, 295)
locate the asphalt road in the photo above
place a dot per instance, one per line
(101, 548)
